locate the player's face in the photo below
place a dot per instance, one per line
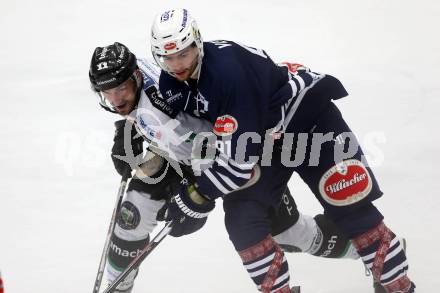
(122, 97)
(182, 64)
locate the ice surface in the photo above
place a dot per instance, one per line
(58, 186)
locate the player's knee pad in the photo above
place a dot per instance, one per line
(267, 266)
(384, 255)
(137, 216)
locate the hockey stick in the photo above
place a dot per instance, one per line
(119, 198)
(141, 256)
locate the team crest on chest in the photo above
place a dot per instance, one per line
(202, 104)
(346, 183)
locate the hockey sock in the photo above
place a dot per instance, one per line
(384, 255)
(267, 266)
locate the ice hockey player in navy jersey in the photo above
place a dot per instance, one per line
(128, 86)
(269, 122)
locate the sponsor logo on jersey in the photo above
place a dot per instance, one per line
(151, 133)
(158, 102)
(225, 125)
(293, 67)
(346, 183)
(170, 46)
(174, 98)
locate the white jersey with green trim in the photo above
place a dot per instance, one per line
(169, 133)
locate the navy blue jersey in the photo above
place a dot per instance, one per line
(244, 94)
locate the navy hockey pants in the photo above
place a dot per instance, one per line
(345, 190)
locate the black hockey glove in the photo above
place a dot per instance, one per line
(118, 147)
(187, 209)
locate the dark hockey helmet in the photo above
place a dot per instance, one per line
(111, 66)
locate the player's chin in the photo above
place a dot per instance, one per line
(125, 109)
(182, 76)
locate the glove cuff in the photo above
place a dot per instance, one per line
(191, 209)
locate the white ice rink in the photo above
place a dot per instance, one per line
(58, 185)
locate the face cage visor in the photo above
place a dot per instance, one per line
(106, 104)
(160, 59)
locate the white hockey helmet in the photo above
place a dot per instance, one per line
(173, 31)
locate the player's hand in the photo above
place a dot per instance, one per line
(118, 149)
(187, 209)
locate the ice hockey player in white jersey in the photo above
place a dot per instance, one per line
(256, 105)
(129, 87)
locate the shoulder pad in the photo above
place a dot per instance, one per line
(150, 72)
(156, 100)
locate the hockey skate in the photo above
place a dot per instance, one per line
(295, 289)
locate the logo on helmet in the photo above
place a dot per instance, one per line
(102, 65)
(170, 46)
(121, 56)
(185, 18)
(103, 53)
(346, 183)
(166, 15)
(225, 125)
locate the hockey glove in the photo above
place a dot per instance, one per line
(187, 209)
(118, 150)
